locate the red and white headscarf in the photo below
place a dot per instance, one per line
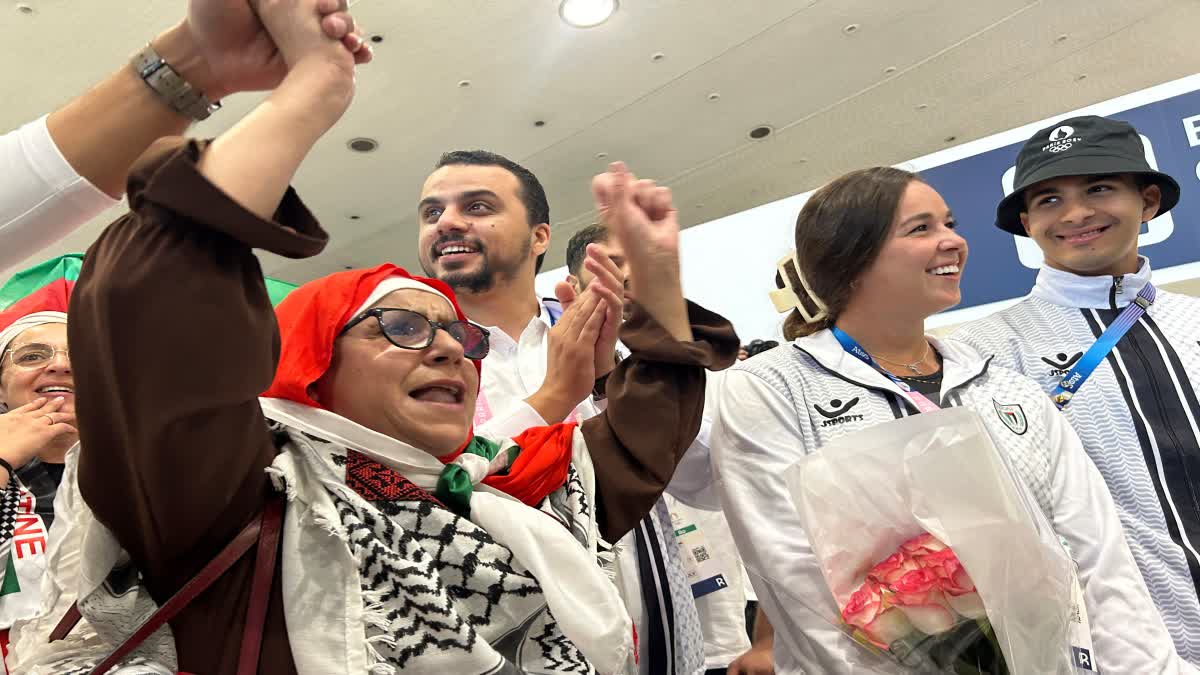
(47, 304)
(311, 318)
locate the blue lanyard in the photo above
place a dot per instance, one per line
(554, 310)
(854, 349)
(1072, 381)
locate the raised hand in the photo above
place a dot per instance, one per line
(240, 55)
(571, 353)
(32, 428)
(641, 215)
(298, 33)
(608, 276)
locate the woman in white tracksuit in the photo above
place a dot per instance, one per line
(877, 253)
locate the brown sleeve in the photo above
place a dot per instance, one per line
(655, 404)
(172, 338)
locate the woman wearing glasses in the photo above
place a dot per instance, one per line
(37, 430)
(37, 392)
(408, 544)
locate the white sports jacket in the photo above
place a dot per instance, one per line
(792, 400)
(1137, 415)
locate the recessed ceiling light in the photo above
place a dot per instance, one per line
(889, 70)
(922, 106)
(539, 123)
(586, 13)
(601, 155)
(355, 217)
(715, 96)
(1081, 77)
(760, 132)
(852, 28)
(463, 84)
(1061, 38)
(25, 9)
(951, 139)
(363, 144)
(376, 38)
(657, 56)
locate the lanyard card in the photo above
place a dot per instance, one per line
(703, 570)
(1080, 631)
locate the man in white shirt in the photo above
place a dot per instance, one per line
(65, 168)
(484, 228)
(710, 557)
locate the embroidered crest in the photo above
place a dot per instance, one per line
(1013, 416)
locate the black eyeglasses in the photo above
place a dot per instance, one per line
(412, 330)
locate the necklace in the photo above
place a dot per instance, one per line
(911, 366)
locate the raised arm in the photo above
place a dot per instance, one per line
(220, 48)
(172, 330)
(656, 396)
(66, 168)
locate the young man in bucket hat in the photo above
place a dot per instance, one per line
(1119, 357)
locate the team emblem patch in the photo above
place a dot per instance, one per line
(1013, 416)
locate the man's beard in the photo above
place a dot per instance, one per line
(488, 274)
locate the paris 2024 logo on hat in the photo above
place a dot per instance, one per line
(1061, 139)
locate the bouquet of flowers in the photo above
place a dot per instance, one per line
(934, 552)
(921, 605)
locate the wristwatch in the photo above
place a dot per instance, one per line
(170, 86)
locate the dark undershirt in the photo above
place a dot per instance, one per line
(929, 385)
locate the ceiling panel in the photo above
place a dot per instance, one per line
(978, 68)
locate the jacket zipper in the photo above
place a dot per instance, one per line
(1118, 282)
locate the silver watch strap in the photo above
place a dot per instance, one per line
(175, 91)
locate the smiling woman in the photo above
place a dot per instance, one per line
(36, 431)
(402, 527)
(877, 254)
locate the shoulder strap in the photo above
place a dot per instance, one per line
(265, 529)
(1100, 349)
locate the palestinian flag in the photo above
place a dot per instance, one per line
(48, 287)
(45, 287)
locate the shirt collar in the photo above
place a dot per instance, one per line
(542, 318)
(1068, 289)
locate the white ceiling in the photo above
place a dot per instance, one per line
(962, 70)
